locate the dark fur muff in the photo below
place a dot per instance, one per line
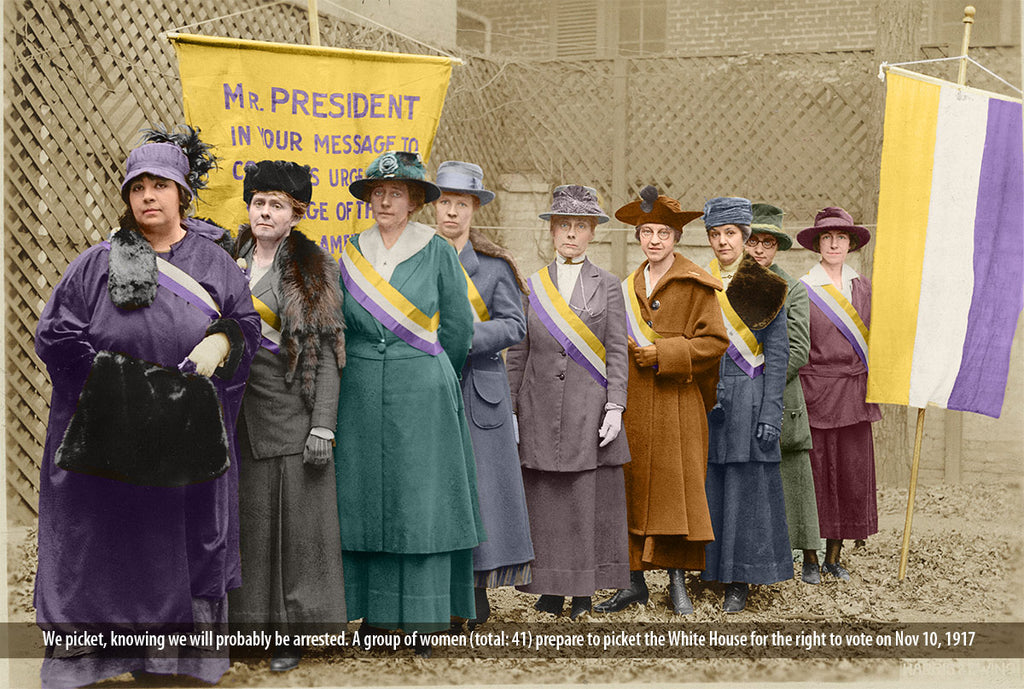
(756, 293)
(144, 424)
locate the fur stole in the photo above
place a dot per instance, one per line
(310, 291)
(756, 293)
(483, 245)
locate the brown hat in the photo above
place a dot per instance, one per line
(656, 208)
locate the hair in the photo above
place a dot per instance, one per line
(127, 219)
(299, 208)
(745, 229)
(417, 196)
(679, 232)
(853, 240)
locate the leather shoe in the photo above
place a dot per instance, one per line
(285, 658)
(636, 593)
(681, 603)
(735, 597)
(580, 605)
(811, 573)
(551, 604)
(483, 608)
(422, 649)
(836, 570)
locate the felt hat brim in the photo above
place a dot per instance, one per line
(484, 195)
(807, 235)
(601, 217)
(359, 188)
(785, 241)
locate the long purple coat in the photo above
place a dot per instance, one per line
(110, 551)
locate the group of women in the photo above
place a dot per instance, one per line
(389, 464)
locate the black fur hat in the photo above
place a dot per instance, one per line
(277, 175)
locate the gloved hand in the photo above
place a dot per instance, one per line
(210, 353)
(767, 436)
(611, 426)
(515, 428)
(318, 450)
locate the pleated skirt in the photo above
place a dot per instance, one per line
(843, 462)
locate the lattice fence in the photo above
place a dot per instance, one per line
(83, 77)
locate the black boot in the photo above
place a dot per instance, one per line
(286, 658)
(681, 603)
(483, 608)
(580, 605)
(551, 604)
(636, 593)
(735, 597)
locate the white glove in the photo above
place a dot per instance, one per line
(210, 353)
(611, 426)
(317, 451)
(515, 428)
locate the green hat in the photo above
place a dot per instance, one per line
(768, 220)
(399, 166)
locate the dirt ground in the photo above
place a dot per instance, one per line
(965, 563)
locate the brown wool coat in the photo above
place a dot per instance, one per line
(666, 420)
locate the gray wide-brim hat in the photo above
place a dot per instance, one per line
(575, 199)
(458, 177)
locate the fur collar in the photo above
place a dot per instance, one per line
(310, 309)
(483, 245)
(756, 293)
(131, 279)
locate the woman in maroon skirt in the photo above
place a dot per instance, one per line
(835, 386)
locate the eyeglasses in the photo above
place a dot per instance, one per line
(766, 242)
(663, 234)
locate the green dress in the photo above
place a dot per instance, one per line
(406, 477)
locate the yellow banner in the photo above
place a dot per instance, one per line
(332, 109)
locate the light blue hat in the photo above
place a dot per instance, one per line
(727, 210)
(458, 177)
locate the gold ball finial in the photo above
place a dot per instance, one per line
(969, 13)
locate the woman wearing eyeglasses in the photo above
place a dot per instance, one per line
(676, 339)
(766, 239)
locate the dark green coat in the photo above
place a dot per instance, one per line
(796, 431)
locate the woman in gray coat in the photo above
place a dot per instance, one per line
(290, 538)
(495, 291)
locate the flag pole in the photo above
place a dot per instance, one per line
(314, 24)
(961, 80)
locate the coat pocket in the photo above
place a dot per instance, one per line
(488, 406)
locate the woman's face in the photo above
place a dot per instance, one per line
(155, 203)
(391, 204)
(271, 217)
(763, 247)
(656, 241)
(834, 245)
(455, 214)
(571, 234)
(727, 243)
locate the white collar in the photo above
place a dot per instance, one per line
(414, 237)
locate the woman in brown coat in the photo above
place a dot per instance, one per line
(676, 340)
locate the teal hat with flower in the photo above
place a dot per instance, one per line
(398, 166)
(768, 220)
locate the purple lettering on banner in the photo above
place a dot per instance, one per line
(395, 106)
(360, 105)
(376, 101)
(318, 102)
(321, 143)
(299, 100)
(231, 96)
(336, 101)
(278, 96)
(411, 100)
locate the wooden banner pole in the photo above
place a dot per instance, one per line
(969, 13)
(314, 24)
(918, 435)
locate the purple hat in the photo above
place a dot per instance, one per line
(833, 218)
(160, 160)
(575, 199)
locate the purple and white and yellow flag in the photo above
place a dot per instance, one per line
(948, 278)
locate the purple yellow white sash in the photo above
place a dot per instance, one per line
(385, 303)
(744, 349)
(840, 311)
(579, 342)
(480, 312)
(270, 326)
(641, 333)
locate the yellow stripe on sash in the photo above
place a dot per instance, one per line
(268, 316)
(480, 312)
(633, 313)
(574, 321)
(846, 306)
(392, 295)
(734, 319)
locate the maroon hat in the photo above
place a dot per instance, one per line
(833, 218)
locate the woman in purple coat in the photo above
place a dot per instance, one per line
(835, 386)
(113, 554)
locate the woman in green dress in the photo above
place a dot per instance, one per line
(406, 477)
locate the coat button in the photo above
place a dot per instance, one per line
(381, 347)
(655, 304)
(650, 324)
(561, 352)
(561, 376)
